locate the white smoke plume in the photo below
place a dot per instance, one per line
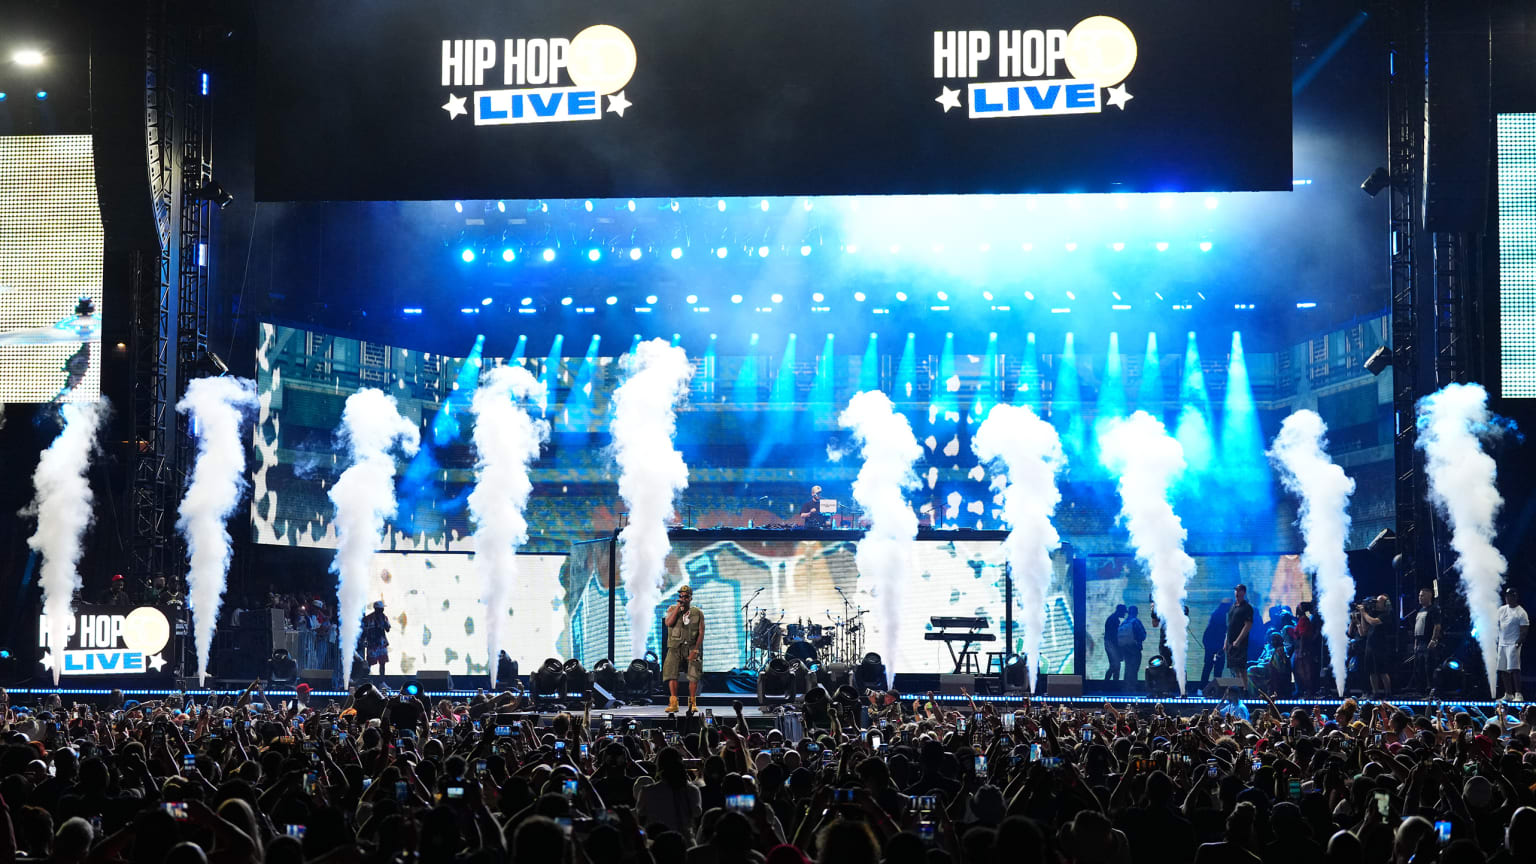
(651, 472)
(1030, 452)
(1463, 489)
(364, 496)
(216, 407)
(62, 503)
(507, 441)
(1148, 461)
(884, 556)
(1324, 489)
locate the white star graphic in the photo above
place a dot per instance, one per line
(47, 661)
(154, 662)
(1118, 97)
(617, 104)
(455, 106)
(949, 99)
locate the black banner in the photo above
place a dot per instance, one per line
(427, 99)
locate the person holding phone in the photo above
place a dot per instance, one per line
(684, 627)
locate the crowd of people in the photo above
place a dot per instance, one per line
(1286, 654)
(388, 777)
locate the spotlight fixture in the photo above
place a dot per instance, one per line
(1378, 181)
(41, 95)
(870, 673)
(1384, 541)
(548, 681)
(1379, 361)
(27, 57)
(210, 191)
(641, 679)
(676, 253)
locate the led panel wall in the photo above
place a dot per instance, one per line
(50, 269)
(1517, 253)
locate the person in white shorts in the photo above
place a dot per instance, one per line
(1514, 624)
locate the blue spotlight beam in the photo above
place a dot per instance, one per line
(1329, 51)
(1244, 463)
(1149, 395)
(869, 366)
(1067, 402)
(1193, 429)
(1027, 389)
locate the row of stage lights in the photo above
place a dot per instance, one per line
(594, 254)
(1120, 201)
(27, 58)
(940, 302)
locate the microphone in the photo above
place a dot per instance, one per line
(840, 591)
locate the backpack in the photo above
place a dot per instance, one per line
(1127, 637)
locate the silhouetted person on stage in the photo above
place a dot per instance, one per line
(1130, 636)
(811, 512)
(1215, 642)
(375, 642)
(1112, 642)
(1239, 628)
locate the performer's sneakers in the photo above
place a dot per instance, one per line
(672, 705)
(693, 704)
(1519, 697)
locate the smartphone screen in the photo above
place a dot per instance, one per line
(981, 766)
(1383, 805)
(177, 809)
(188, 761)
(294, 831)
(874, 741)
(1034, 752)
(503, 731)
(960, 725)
(843, 796)
(1443, 832)
(583, 749)
(925, 831)
(1294, 786)
(745, 803)
(453, 793)
(1088, 734)
(1210, 770)
(402, 791)
(559, 746)
(569, 788)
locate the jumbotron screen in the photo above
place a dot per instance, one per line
(1517, 253)
(793, 585)
(50, 269)
(438, 615)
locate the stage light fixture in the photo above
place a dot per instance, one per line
(487, 301)
(1071, 295)
(607, 676)
(858, 296)
(1027, 247)
(1211, 202)
(501, 206)
(210, 191)
(2, 95)
(411, 310)
(27, 57)
(870, 673)
(577, 680)
(1384, 541)
(650, 299)
(776, 298)
(804, 251)
(549, 254)
(763, 205)
(611, 301)
(895, 248)
(1306, 304)
(1205, 246)
(467, 255)
(1379, 361)
(42, 95)
(1029, 295)
(721, 252)
(720, 205)
(548, 680)
(565, 301)
(673, 205)
(677, 253)
(508, 255)
(526, 301)
(1161, 245)
(587, 205)
(735, 298)
(987, 296)
(458, 206)
(411, 688)
(1165, 202)
(594, 254)
(1071, 247)
(1377, 181)
(691, 299)
(635, 253)
(817, 297)
(631, 205)
(1117, 246)
(762, 251)
(851, 249)
(640, 680)
(901, 296)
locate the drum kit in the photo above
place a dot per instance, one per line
(840, 640)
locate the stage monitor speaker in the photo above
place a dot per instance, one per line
(1061, 685)
(951, 685)
(1217, 687)
(317, 677)
(435, 679)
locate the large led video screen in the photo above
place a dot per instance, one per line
(438, 615)
(1276, 584)
(1517, 254)
(597, 99)
(796, 585)
(50, 269)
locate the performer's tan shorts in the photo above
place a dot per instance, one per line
(671, 667)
